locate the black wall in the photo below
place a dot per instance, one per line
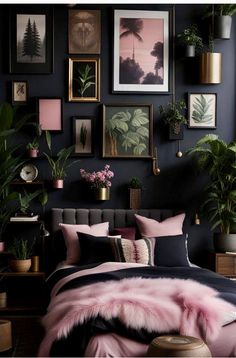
(177, 186)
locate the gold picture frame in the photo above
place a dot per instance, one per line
(84, 80)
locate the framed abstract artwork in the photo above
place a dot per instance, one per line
(202, 110)
(141, 51)
(83, 136)
(84, 80)
(127, 131)
(31, 40)
(84, 32)
(19, 92)
(50, 113)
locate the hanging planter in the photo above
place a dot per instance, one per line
(222, 27)
(101, 193)
(176, 131)
(210, 68)
(191, 40)
(173, 116)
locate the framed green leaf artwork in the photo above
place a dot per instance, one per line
(202, 110)
(83, 136)
(127, 131)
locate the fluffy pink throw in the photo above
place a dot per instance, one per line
(159, 305)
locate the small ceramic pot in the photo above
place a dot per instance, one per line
(32, 153)
(58, 184)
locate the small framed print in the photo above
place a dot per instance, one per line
(50, 113)
(19, 92)
(83, 136)
(202, 110)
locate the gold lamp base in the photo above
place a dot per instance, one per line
(210, 68)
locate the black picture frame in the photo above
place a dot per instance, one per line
(49, 109)
(202, 110)
(38, 60)
(85, 149)
(20, 92)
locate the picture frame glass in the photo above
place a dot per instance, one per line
(202, 110)
(141, 51)
(50, 114)
(83, 136)
(127, 131)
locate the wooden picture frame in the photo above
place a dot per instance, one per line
(127, 131)
(50, 113)
(84, 31)
(141, 58)
(202, 110)
(31, 54)
(84, 80)
(83, 136)
(20, 92)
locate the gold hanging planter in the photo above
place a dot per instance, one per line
(210, 68)
(101, 193)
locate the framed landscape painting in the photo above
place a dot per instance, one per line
(127, 131)
(83, 136)
(31, 40)
(202, 110)
(141, 51)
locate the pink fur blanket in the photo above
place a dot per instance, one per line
(159, 305)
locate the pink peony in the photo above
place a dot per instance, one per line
(98, 179)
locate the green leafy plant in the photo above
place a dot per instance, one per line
(34, 144)
(59, 164)
(84, 79)
(25, 199)
(172, 113)
(20, 249)
(201, 107)
(190, 36)
(220, 10)
(83, 134)
(135, 183)
(218, 159)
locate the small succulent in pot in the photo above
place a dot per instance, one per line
(190, 38)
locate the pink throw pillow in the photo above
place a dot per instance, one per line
(71, 238)
(153, 228)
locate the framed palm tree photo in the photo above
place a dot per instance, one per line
(202, 110)
(31, 40)
(141, 51)
(127, 131)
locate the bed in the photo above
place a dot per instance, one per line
(113, 307)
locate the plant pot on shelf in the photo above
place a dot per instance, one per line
(58, 183)
(222, 27)
(134, 198)
(20, 265)
(190, 51)
(3, 299)
(224, 242)
(101, 193)
(176, 131)
(210, 68)
(2, 246)
(32, 153)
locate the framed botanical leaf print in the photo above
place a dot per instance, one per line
(202, 110)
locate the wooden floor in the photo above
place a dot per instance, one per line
(27, 334)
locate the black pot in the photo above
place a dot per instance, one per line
(224, 242)
(176, 131)
(222, 27)
(190, 51)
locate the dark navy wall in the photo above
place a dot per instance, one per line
(177, 186)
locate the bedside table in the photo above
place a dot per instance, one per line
(224, 264)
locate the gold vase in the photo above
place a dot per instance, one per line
(101, 193)
(210, 68)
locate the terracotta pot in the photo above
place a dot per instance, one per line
(32, 153)
(58, 183)
(101, 193)
(20, 265)
(2, 246)
(210, 68)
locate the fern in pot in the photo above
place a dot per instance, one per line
(218, 159)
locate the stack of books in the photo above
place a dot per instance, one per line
(24, 217)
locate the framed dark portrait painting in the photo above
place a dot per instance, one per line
(31, 41)
(141, 51)
(128, 131)
(84, 32)
(19, 92)
(83, 136)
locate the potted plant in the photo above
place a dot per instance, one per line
(210, 64)
(100, 182)
(173, 115)
(25, 198)
(33, 148)
(191, 40)
(135, 188)
(21, 251)
(222, 17)
(58, 163)
(218, 159)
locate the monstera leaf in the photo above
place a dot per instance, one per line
(201, 107)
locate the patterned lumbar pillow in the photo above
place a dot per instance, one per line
(139, 251)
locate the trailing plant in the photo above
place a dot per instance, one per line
(135, 183)
(218, 159)
(84, 79)
(20, 249)
(201, 107)
(83, 134)
(190, 36)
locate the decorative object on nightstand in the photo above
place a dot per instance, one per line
(21, 251)
(218, 159)
(191, 40)
(135, 189)
(224, 263)
(173, 115)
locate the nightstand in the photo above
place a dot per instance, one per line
(224, 264)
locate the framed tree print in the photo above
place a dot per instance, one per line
(127, 131)
(31, 40)
(84, 80)
(202, 110)
(19, 92)
(83, 136)
(141, 51)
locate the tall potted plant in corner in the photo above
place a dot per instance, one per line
(173, 115)
(218, 159)
(58, 163)
(135, 189)
(190, 39)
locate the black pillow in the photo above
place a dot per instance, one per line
(171, 251)
(94, 249)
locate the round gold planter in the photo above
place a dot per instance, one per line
(210, 68)
(20, 265)
(101, 193)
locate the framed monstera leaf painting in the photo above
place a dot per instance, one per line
(202, 109)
